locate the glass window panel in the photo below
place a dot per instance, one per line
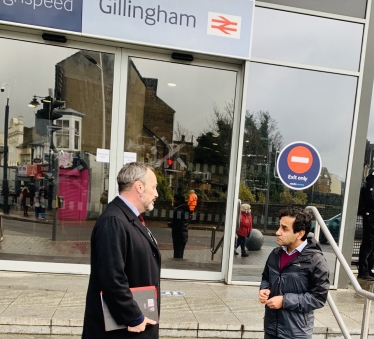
(42, 155)
(76, 127)
(355, 8)
(292, 37)
(293, 105)
(185, 135)
(76, 142)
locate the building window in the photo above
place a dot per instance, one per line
(76, 135)
(62, 135)
(25, 158)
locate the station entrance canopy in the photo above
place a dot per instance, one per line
(217, 27)
(353, 8)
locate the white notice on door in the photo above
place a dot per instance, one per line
(129, 157)
(102, 155)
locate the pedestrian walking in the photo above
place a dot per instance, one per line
(25, 200)
(32, 192)
(39, 205)
(295, 280)
(192, 202)
(245, 228)
(179, 225)
(366, 254)
(124, 254)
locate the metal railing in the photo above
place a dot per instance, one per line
(213, 247)
(368, 295)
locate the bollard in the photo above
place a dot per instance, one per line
(255, 241)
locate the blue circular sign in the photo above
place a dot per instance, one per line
(299, 165)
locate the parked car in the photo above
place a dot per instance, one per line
(333, 224)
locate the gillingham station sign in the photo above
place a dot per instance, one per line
(299, 165)
(217, 27)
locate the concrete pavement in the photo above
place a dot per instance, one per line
(40, 306)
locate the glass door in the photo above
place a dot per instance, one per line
(60, 114)
(179, 119)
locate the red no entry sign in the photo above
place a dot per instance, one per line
(300, 159)
(299, 165)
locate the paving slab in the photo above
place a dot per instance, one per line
(49, 306)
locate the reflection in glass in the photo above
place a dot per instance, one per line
(179, 120)
(303, 39)
(292, 105)
(53, 145)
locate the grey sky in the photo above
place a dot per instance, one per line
(30, 70)
(196, 92)
(309, 106)
(306, 39)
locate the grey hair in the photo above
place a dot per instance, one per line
(130, 173)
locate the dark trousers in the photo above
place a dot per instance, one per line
(240, 242)
(178, 246)
(366, 255)
(270, 336)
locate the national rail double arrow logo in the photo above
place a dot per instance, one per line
(224, 25)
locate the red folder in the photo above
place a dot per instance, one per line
(145, 297)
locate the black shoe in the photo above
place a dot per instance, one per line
(366, 277)
(235, 252)
(371, 274)
(245, 254)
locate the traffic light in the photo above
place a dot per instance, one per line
(55, 115)
(42, 120)
(170, 163)
(44, 117)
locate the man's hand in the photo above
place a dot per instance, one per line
(141, 327)
(275, 302)
(263, 295)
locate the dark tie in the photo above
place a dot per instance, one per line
(141, 219)
(149, 232)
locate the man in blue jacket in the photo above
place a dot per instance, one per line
(295, 280)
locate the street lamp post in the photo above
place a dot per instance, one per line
(47, 114)
(270, 146)
(5, 168)
(100, 66)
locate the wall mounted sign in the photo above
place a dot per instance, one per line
(65, 160)
(22, 170)
(217, 27)
(58, 14)
(299, 165)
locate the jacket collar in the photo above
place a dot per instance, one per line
(133, 219)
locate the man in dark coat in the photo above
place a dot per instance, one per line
(295, 280)
(179, 225)
(124, 254)
(366, 255)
